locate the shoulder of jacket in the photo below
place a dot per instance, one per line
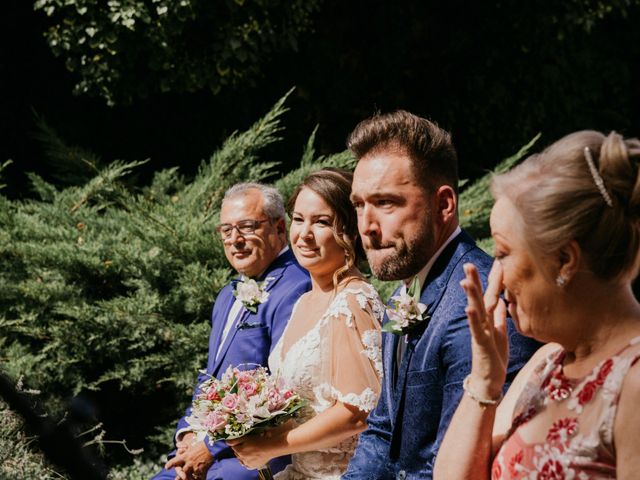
(293, 272)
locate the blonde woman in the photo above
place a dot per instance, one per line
(567, 229)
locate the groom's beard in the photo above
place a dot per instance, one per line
(403, 258)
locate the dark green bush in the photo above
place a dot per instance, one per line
(107, 289)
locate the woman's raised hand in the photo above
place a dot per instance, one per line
(488, 324)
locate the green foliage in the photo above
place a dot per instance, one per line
(70, 164)
(587, 13)
(2, 167)
(475, 201)
(126, 49)
(103, 284)
(138, 470)
(18, 460)
(107, 289)
(309, 162)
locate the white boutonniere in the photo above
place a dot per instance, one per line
(405, 310)
(251, 293)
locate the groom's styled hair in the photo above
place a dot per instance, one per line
(434, 158)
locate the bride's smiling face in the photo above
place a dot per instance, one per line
(311, 234)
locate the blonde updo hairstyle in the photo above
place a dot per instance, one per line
(559, 201)
(333, 185)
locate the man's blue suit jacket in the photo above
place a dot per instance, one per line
(419, 397)
(250, 340)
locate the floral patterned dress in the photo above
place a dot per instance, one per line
(562, 427)
(335, 358)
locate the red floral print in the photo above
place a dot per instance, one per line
(562, 430)
(587, 392)
(551, 470)
(589, 389)
(515, 460)
(574, 445)
(558, 387)
(496, 470)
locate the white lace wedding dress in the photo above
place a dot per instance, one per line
(338, 358)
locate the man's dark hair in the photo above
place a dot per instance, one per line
(432, 154)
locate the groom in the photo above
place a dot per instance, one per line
(405, 194)
(253, 233)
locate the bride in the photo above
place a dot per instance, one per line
(330, 349)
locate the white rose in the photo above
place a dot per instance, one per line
(248, 292)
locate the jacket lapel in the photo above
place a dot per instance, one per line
(431, 293)
(438, 278)
(390, 346)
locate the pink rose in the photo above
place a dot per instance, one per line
(249, 388)
(275, 400)
(244, 377)
(230, 401)
(215, 421)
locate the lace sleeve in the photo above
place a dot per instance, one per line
(354, 358)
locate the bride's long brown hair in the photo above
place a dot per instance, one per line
(333, 185)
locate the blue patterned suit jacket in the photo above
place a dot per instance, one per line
(417, 403)
(250, 340)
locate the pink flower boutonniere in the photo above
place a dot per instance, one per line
(405, 310)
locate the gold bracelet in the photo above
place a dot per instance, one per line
(484, 402)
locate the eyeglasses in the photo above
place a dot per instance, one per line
(244, 227)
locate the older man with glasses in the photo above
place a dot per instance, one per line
(248, 317)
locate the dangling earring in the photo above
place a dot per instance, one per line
(561, 281)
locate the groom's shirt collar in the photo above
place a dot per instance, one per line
(422, 274)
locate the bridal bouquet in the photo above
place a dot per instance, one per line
(241, 402)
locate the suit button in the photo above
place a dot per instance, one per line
(401, 475)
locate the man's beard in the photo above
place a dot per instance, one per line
(404, 261)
